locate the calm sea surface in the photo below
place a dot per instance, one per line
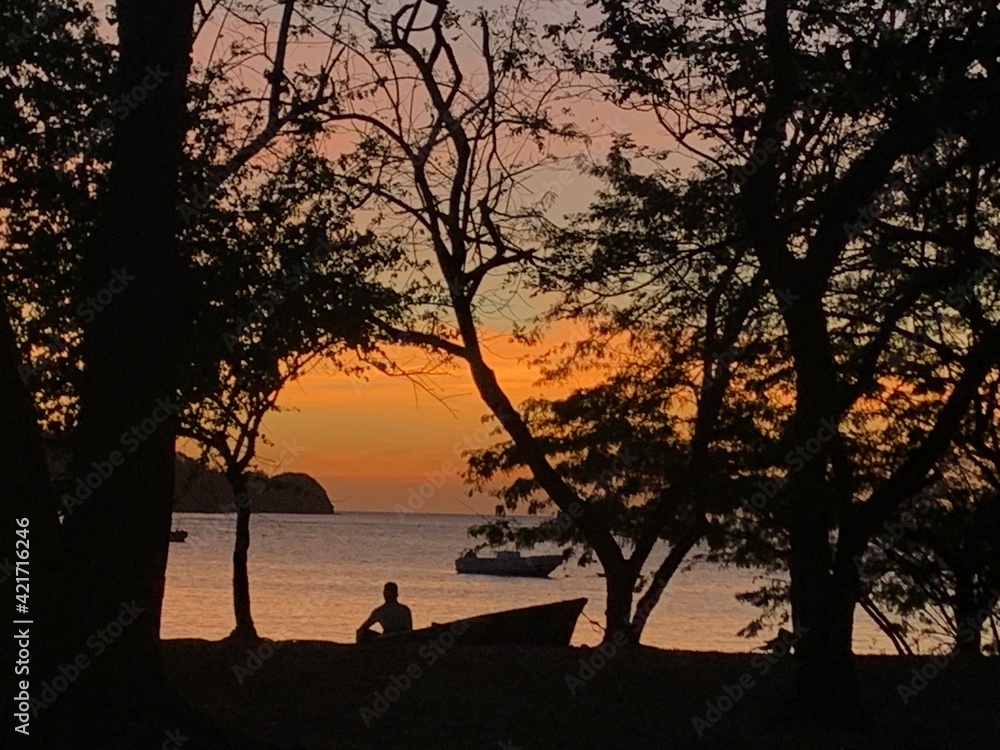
(318, 577)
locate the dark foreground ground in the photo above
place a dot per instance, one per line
(311, 694)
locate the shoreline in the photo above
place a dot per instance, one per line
(327, 696)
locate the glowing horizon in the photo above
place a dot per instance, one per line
(371, 442)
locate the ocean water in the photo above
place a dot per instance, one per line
(318, 578)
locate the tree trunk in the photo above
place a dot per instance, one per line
(826, 686)
(619, 583)
(117, 528)
(244, 629)
(968, 626)
(822, 598)
(662, 577)
(620, 577)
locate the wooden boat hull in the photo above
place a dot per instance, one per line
(538, 566)
(541, 625)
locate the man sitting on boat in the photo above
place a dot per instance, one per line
(392, 616)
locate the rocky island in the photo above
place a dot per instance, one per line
(202, 489)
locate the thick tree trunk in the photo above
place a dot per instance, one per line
(619, 583)
(241, 582)
(822, 596)
(117, 527)
(826, 684)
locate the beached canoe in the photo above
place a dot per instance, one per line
(508, 564)
(541, 625)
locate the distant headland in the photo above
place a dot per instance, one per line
(202, 489)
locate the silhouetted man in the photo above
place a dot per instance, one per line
(392, 616)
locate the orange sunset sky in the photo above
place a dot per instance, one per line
(371, 443)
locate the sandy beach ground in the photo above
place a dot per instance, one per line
(327, 696)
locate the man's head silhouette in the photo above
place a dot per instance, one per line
(391, 592)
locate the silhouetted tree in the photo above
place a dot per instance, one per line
(661, 443)
(937, 565)
(53, 69)
(851, 136)
(115, 542)
(450, 178)
(118, 255)
(282, 283)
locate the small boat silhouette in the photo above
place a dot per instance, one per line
(540, 625)
(508, 564)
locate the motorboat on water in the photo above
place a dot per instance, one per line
(508, 563)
